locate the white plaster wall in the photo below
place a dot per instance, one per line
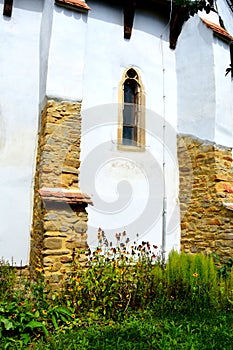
(66, 55)
(224, 106)
(204, 93)
(226, 14)
(45, 35)
(108, 54)
(120, 182)
(196, 81)
(19, 98)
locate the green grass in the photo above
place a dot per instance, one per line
(145, 331)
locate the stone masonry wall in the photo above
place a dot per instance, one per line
(206, 197)
(60, 219)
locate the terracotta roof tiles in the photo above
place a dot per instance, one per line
(73, 3)
(64, 195)
(217, 29)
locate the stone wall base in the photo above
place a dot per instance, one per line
(206, 194)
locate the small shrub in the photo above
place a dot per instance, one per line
(30, 313)
(7, 279)
(116, 279)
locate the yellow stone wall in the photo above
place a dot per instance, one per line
(206, 185)
(59, 145)
(59, 228)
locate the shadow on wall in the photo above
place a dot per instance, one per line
(35, 6)
(147, 22)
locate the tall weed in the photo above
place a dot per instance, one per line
(192, 280)
(7, 279)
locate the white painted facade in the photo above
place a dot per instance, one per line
(66, 55)
(205, 106)
(226, 14)
(52, 52)
(120, 182)
(19, 110)
(196, 84)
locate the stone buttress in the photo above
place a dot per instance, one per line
(60, 219)
(206, 197)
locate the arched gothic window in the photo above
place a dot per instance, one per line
(131, 131)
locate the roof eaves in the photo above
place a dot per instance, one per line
(77, 5)
(64, 196)
(218, 31)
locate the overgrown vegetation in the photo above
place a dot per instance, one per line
(124, 298)
(192, 7)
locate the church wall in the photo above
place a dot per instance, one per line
(203, 109)
(196, 83)
(59, 216)
(19, 91)
(45, 39)
(119, 181)
(66, 55)
(108, 54)
(224, 106)
(226, 14)
(76, 61)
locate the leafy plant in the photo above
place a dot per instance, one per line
(18, 320)
(190, 7)
(31, 312)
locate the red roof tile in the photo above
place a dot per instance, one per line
(217, 29)
(74, 3)
(64, 195)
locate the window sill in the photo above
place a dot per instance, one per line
(127, 148)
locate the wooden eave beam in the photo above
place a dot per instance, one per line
(7, 8)
(178, 17)
(129, 11)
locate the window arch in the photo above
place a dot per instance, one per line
(131, 129)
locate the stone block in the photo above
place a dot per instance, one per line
(52, 243)
(226, 236)
(77, 244)
(80, 227)
(66, 259)
(64, 228)
(213, 221)
(51, 226)
(54, 278)
(50, 252)
(51, 217)
(48, 261)
(70, 170)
